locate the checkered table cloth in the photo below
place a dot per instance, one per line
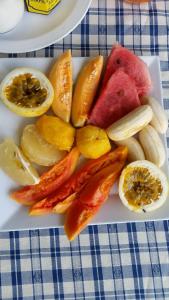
(124, 261)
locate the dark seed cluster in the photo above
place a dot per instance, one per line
(141, 187)
(26, 91)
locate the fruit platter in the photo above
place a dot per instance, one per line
(82, 141)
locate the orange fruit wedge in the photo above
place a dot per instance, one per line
(60, 76)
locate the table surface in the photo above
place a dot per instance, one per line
(123, 261)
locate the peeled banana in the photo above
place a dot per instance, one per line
(152, 145)
(130, 124)
(135, 151)
(159, 120)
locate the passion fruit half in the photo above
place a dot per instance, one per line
(27, 92)
(143, 187)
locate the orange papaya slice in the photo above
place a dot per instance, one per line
(62, 198)
(88, 202)
(49, 181)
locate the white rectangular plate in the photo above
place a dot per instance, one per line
(14, 216)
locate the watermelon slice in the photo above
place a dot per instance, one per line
(121, 57)
(117, 99)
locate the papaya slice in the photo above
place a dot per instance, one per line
(63, 206)
(45, 206)
(85, 90)
(60, 76)
(61, 199)
(49, 181)
(88, 202)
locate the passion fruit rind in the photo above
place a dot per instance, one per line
(143, 187)
(27, 92)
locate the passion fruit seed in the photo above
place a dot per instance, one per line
(26, 91)
(140, 187)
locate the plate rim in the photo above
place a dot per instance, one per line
(47, 39)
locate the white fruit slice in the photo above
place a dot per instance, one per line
(37, 149)
(130, 124)
(143, 187)
(159, 120)
(135, 151)
(152, 145)
(16, 165)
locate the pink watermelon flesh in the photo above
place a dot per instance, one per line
(117, 99)
(121, 57)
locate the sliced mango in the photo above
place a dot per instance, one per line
(56, 132)
(60, 76)
(92, 141)
(85, 90)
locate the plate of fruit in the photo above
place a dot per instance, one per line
(27, 25)
(82, 141)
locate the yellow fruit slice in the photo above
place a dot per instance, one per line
(37, 149)
(60, 76)
(143, 187)
(85, 90)
(16, 165)
(27, 92)
(56, 132)
(92, 141)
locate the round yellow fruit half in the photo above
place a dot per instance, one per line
(27, 92)
(56, 132)
(92, 141)
(143, 187)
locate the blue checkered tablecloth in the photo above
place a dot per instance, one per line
(123, 261)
